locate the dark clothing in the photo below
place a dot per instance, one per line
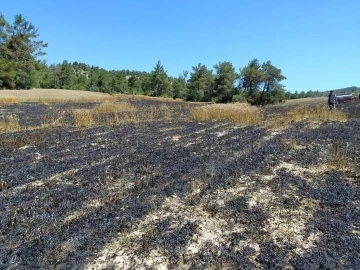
(332, 100)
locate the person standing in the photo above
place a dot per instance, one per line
(331, 100)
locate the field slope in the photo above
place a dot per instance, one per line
(163, 190)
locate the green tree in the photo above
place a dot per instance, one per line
(201, 84)
(159, 81)
(104, 81)
(55, 71)
(4, 36)
(41, 76)
(146, 84)
(67, 76)
(262, 82)
(93, 79)
(272, 91)
(134, 83)
(8, 67)
(251, 77)
(179, 85)
(19, 49)
(119, 82)
(224, 81)
(275, 95)
(81, 82)
(22, 42)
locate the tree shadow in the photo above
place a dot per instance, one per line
(337, 222)
(155, 170)
(114, 192)
(333, 225)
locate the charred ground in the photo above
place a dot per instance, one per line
(179, 194)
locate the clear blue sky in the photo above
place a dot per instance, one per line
(316, 43)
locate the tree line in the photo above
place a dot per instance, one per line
(316, 93)
(20, 68)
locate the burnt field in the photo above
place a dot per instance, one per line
(173, 192)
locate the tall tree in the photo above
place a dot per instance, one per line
(19, 50)
(251, 77)
(159, 81)
(134, 83)
(22, 41)
(224, 81)
(81, 82)
(146, 84)
(55, 70)
(262, 83)
(4, 35)
(7, 67)
(119, 83)
(67, 76)
(272, 76)
(179, 85)
(104, 81)
(201, 84)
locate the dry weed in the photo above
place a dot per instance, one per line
(318, 113)
(302, 101)
(106, 113)
(143, 97)
(53, 119)
(338, 156)
(9, 100)
(289, 144)
(238, 113)
(61, 100)
(50, 100)
(109, 119)
(114, 107)
(3, 186)
(165, 112)
(83, 118)
(9, 123)
(55, 96)
(10, 142)
(304, 113)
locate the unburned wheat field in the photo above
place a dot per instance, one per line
(146, 184)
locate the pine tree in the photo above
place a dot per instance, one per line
(19, 50)
(159, 81)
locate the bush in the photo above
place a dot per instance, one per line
(241, 97)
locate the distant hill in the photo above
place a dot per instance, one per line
(352, 89)
(315, 93)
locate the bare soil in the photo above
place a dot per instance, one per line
(179, 194)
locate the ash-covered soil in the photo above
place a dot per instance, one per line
(31, 114)
(180, 195)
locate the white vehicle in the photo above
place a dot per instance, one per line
(342, 98)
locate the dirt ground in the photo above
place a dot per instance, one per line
(179, 194)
